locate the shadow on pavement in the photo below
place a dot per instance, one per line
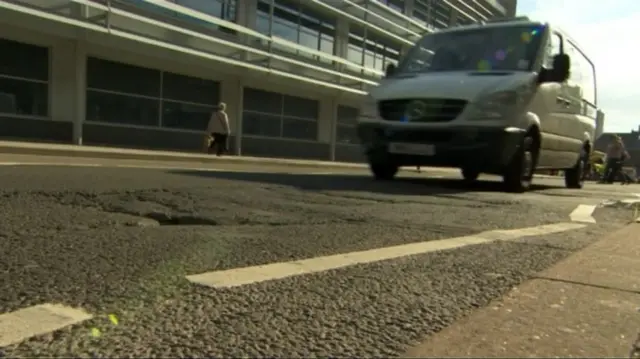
(399, 186)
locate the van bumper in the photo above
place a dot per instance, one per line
(486, 149)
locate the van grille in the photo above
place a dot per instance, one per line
(421, 110)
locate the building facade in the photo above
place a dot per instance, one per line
(599, 124)
(148, 73)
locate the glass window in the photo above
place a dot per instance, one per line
(554, 47)
(441, 14)
(370, 59)
(347, 115)
(23, 97)
(297, 24)
(397, 5)
(346, 134)
(481, 49)
(309, 38)
(347, 119)
(285, 29)
(261, 124)
(354, 54)
(299, 129)
(373, 46)
(185, 116)
(122, 109)
(224, 9)
(24, 60)
(262, 101)
(327, 44)
(582, 75)
(119, 77)
(190, 89)
(300, 107)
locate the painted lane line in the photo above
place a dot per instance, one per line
(583, 213)
(40, 319)
(261, 273)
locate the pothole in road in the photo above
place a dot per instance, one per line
(163, 219)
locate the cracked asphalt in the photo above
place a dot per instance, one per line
(121, 241)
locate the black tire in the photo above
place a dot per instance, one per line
(384, 171)
(519, 172)
(470, 175)
(574, 177)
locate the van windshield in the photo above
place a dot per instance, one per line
(503, 48)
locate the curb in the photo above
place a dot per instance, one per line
(147, 155)
(65, 150)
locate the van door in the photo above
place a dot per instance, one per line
(579, 91)
(548, 107)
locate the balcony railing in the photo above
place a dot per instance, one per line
(110, 17)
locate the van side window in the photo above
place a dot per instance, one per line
(553, 48)
(582, 74)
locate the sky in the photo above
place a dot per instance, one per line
(608, 32)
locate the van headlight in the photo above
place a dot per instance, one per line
(369, 108)
(495, 106)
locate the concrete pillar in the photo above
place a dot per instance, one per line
(327, 123)
(231, 93)
(246, 16)
(68, 84)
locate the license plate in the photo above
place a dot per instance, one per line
(412, 149)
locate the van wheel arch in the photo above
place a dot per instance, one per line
(536, 136)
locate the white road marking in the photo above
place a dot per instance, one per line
(37, 320)
(583, 213)
(256, 274)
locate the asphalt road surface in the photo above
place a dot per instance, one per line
(122, 240)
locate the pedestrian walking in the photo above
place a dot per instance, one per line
(616, 155)
(218, 130)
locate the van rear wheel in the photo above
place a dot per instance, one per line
(574, 177)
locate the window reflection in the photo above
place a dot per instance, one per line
(346, 130)
(22, 97)
(295, 23)
(273, 114)
(434, 14)
(377, 52)
(397, 5)
(224, 9)
(121, 109)
(185, 115)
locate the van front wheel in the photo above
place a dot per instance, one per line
(470, 174)
(383, 170)
(519, 172)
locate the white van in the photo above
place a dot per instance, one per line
(505, 97)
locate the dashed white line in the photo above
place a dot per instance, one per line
(40, 319)
(256, 274)
(583, 213)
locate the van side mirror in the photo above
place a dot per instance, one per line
(561, 67)
(390, 70)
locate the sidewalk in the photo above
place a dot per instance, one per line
(67, 150)
(585, 306)
(53, 149)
